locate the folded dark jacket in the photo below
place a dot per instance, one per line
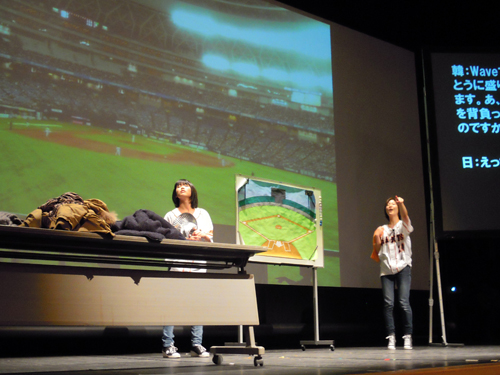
(146, 223)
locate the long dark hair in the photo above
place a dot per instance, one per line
(194, 193)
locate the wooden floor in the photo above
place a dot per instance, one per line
(476, 360)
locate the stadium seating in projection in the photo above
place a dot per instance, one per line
(117, 100)
(287, 219)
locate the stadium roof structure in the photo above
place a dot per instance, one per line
(251, 40)
(257, 9)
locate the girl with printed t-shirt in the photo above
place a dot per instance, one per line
(185, 198)
(392, 249)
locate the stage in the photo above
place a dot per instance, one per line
(478, 360)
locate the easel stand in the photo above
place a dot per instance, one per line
(316, 341)
(433, 245)
(435, 255)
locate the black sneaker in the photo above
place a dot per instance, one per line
(170, 352)
(199, 351)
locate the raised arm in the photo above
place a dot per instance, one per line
(402, 210)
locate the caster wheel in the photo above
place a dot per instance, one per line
(217, 359)
(303, 348)
(332, 348)
(258, 361)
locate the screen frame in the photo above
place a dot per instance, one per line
(433, 152)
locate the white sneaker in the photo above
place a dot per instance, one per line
(392, 342)
(199, 351)
(170, 352)
(408, 342)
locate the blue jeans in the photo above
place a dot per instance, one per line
(168, 335)
(402, 281)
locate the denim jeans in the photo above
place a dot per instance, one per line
(402, 281)
(168, 335)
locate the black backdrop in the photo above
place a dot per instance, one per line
(414, 24)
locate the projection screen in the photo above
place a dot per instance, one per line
(117, 100)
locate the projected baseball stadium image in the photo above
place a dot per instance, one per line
(117, 100)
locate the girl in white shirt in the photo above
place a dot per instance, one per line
(185, 198)
(392, 248)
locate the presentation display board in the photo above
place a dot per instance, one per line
(285, 218)
(464, 122)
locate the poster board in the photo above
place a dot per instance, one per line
(284, 217)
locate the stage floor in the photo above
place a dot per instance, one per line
(482, 360)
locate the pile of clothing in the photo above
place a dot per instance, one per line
(71, 212)
(146, 223)
(6, 218)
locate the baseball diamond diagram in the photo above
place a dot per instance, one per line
(284, 218)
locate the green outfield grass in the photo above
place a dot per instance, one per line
(37, 169)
